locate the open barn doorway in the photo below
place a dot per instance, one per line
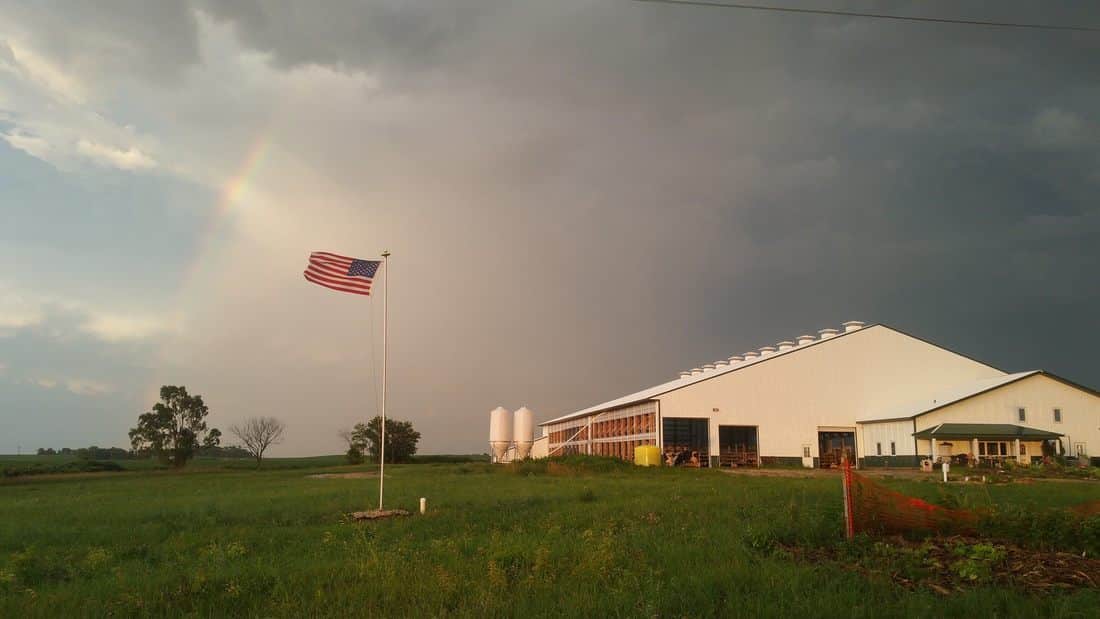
(737, 446)
(836, 447)
(686, 441)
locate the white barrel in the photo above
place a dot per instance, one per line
(524, 432)
(500, 431)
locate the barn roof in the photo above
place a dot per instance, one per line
(945, 397)
(963, 392)
(984, 430)
(686, 381)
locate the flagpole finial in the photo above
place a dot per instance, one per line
(385, 253)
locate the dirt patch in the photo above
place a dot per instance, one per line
(378, 514)
(950, 564)
(797, 473)
(359, 475)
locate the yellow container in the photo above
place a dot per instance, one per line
(647, 455)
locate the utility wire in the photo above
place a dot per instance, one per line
(935, 20)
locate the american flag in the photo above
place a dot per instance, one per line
(341, 273)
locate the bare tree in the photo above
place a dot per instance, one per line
(259, 433)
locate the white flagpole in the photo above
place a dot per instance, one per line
(385, 360)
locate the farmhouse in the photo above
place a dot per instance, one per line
(867, 393)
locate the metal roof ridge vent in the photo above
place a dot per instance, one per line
(767, 350)
(806, 339)
(736, 359)
(708, 367)
(752, 354)
(721, 363)
(827, 333)
(852, 325)
(696, 371)
(785, 345)
(685, 374)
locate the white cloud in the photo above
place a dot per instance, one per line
(7, 56)
(79, 386)
(35, 68)
(17, 312)
(129, 159)
(83, 386)
(118, 327)
(32, 145)
(1057, 128)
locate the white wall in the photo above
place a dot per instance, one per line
(833, 383)
(540, 447)
(1040, 395)
(901, 432)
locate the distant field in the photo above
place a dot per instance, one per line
(617, 541)
(35, 464)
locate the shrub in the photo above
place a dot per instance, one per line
(354, 455)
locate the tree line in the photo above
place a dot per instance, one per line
(118, 453)
(175, 431)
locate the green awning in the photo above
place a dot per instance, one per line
(1001, 431)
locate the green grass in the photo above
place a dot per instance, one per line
(611, 542)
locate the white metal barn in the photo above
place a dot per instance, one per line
(871, 394)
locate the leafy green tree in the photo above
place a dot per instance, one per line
(175, 428)
(401, 439)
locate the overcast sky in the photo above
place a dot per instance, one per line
(582, 198)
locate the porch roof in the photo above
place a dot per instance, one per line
(985, 431)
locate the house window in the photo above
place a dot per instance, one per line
(1023, 449)
(893, 449)
(805, 451)
(1057, 415)
(1021, 414)
(878, 449)
(992, 448)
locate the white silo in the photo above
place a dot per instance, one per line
(524, 432)
(500, 431)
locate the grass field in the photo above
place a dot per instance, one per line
(615, 542)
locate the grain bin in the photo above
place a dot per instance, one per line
(500, 431)
(647, 455)
(524, 425)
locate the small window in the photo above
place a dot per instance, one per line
(805, 451)
(981, 449)
(1023, 449)
(1057, 415)
(878, 449)
(1021, 414)
(893, 449)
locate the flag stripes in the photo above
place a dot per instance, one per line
(341, 272)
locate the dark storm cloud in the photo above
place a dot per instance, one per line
(155, 40)
(705, 181)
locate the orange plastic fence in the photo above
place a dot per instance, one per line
(877, 509)
(871, 507)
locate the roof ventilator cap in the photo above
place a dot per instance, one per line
(767, 350)
(852, 325)
(827, 333)
(805, 339)
(785, 345)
